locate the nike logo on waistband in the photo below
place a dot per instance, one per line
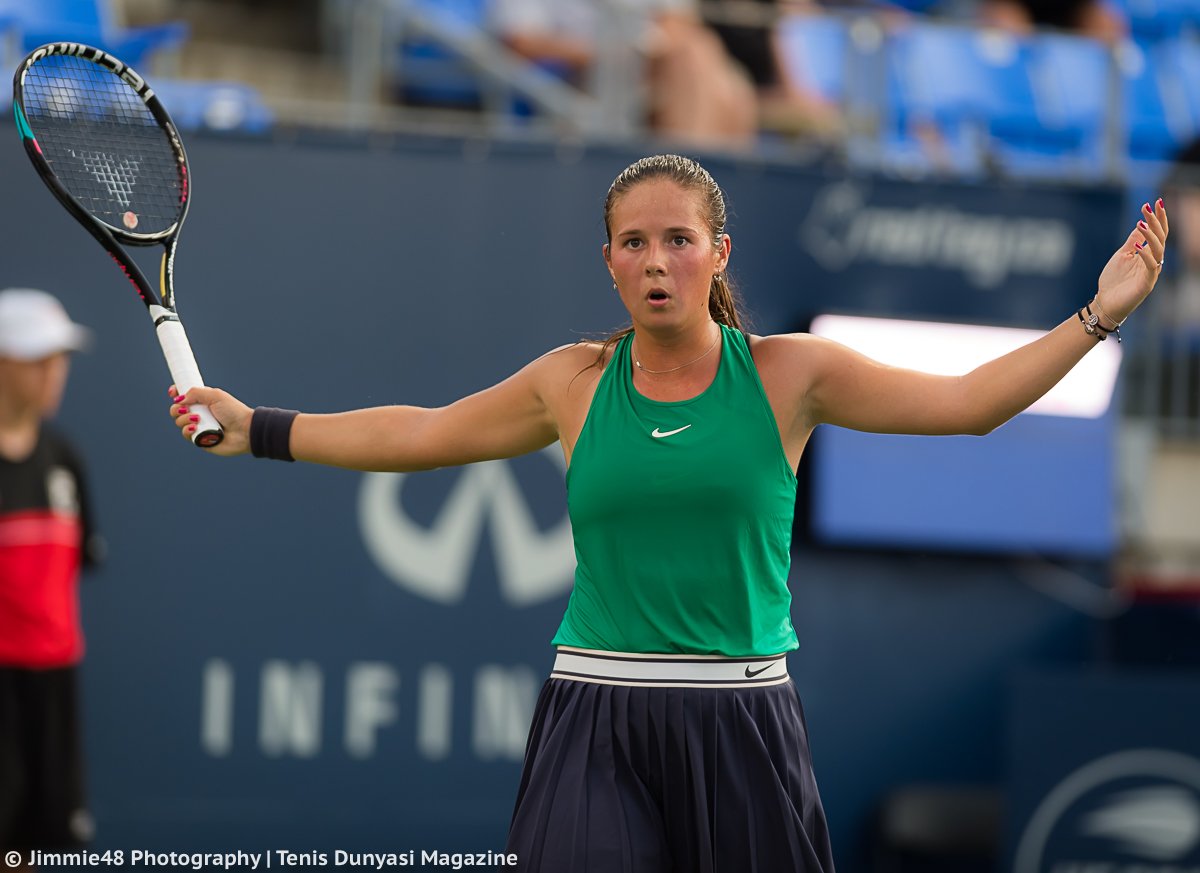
(659, 434)
(750, 674)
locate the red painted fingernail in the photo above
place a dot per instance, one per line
(1138, 245)
(182, 410)
(1146, 206)
(193, 418)
(191, 428)
(1142, 224)
(1160, 203)
(179, 398)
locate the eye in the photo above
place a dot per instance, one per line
(633, 243)
(680, 241)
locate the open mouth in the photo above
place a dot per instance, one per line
(658, 295)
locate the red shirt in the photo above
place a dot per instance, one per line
(43, 531)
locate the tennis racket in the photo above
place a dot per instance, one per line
(107, 149)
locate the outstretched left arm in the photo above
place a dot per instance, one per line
(851, 390)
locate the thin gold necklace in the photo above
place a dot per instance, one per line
(681, 366)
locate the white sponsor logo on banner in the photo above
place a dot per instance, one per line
(1161, 823)
(844, 229)
(434, 562)
(1117, 814)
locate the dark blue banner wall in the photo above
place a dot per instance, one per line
(1104, 771)
(308, 659)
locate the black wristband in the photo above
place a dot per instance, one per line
(1092, 326)
(271, 433)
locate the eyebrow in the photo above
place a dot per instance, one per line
(638, 231)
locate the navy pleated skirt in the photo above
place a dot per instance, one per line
(622, 779)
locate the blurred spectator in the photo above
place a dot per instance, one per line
(1183, 193)
(1098, 19)
(694, 90)
(46, 536)
(746, 27)
(1165, 365)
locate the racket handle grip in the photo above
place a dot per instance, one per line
(186, 373)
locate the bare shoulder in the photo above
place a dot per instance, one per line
(790, 365)
(567, 378)
(573, 357)
(571, 367)
(784, 352)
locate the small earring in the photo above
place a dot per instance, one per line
(615, 288)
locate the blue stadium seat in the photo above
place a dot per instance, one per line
(222, 106)
(813, 50)
(839, 58)
(1151, 20)
(10, 37)
(1038, 107)
(1157, 108)
(91, 22)
(1155, 131)
(968, 85)
(919, 7)
(1034, 107)
(1175, 65)
(427, 73)
(1070, 76)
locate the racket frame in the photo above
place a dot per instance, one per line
(160, 305)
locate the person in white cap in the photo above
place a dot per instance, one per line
(46, 537)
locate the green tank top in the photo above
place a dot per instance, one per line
(682, 517)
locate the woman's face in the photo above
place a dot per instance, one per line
(662, 256)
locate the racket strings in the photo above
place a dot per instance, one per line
(104, 144)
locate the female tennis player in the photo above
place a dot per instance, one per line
(669, 735)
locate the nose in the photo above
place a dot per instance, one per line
(655, 262)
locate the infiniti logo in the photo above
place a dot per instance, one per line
(435, 562)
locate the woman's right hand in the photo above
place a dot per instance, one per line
(233, 415)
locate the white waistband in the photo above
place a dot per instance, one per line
(669, 671)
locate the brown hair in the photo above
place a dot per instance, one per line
(689, 175)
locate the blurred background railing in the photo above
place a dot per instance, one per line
(965, 88)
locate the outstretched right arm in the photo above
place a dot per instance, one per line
(505, 420)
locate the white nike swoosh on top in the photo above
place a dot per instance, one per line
(658, 434)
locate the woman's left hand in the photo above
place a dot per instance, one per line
(1130, 274)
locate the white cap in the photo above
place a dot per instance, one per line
(34, 325)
